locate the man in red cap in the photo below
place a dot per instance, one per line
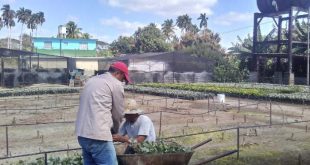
(100, 114)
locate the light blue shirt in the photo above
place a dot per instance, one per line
(143, 126)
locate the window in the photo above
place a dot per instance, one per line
(83, 46)
(47, 44)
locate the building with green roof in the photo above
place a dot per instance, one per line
(65, 46)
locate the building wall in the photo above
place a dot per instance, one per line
(66, 44)
(89, 66)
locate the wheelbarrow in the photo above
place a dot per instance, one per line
(181, 158)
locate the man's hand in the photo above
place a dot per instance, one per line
(120, 138)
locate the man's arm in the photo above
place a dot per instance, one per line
(125, 139)
(117, 108)
(140, 138)
(120, 138)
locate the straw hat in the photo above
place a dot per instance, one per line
(131, 107)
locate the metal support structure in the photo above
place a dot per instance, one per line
(290, 45)
(255, 59)
(216, 157)
(308, 47)
(278, 17)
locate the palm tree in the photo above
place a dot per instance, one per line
(72, 30)
(8, 16)
(184, 22)
(23, 15)
(193, 29)
(168, 29)
(40, 19)
(32, 23)
(86, 36)
(203, 20)
(1, 23)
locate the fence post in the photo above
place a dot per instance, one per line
(45, 158)
(208, 104)
(238, 104)
(270, 113)
(160, 118)
(7, 140)
(238, 142)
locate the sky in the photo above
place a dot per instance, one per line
(107, 19)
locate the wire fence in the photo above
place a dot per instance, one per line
(164, 107)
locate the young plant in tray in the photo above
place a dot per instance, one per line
(159, 147)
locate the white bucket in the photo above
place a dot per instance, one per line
(221, 98)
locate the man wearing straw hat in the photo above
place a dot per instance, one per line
(100, 114)
(137, 127)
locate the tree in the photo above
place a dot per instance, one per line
(1, 23)
(123, 45)
(86, 36)
(8, 16)
(72, 30)
(23, 15)
(32, 23)
(242, 50)
(203, 20)
(150, 39)
(229, 71)
(168, 29)
(39, 19)
(184, 22)
(27, 44)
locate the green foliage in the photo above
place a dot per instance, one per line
(230, 71)
(147, 39)
(123, 45)
(159, 147)
(168, 29)
(105, 53)
(76, 159)
(36, 91)
(175, 93)
(150, 39)
(296, 94)
(73, 31)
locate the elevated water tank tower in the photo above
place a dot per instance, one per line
(273, 6)
(284, 14)
(62, 31)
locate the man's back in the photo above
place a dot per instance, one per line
(94, 119)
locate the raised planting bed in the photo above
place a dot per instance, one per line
(36, 91)
(174, 93)
(284, 93)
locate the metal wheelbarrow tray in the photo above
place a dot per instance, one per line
(180, 158)
(155, 159)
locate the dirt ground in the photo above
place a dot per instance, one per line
(277, 144)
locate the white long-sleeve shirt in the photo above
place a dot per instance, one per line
(101, 108)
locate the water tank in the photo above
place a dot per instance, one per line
(272, 6)
(62, 31)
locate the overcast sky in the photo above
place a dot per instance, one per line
(107, 19)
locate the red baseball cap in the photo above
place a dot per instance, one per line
(123, 68)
